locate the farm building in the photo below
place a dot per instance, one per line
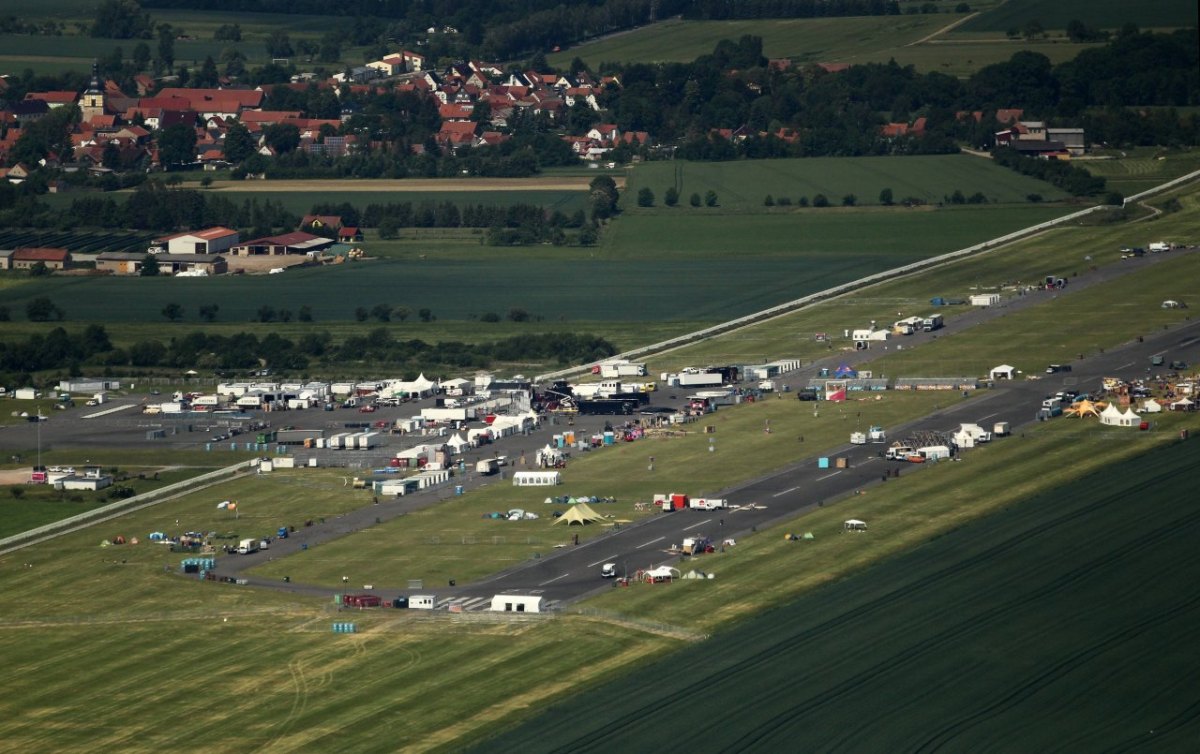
(517, 603)
(193, 264)
(296, 242)
(120, 262)
(54, 259)
(209, 241)
(6, 259)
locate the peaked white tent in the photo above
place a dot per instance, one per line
(457, 443)
(1115, 417)
(1151, 406)
(1183, 404)
(1003, 372)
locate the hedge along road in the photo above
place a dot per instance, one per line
(564, 575)
(416, 185)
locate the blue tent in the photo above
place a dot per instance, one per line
(846, 371)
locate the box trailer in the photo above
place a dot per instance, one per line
(448, 414)
(621, 368)
(368, 440)
(934, 452)
(337, 442)
(487, 466)
(247, 546)
(1000, 429)
(933, 322)
(297, 436)
(422, 602)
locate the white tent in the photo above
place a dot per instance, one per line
(1115, 417)
(853, 524)
(1151, 406)
(1003, 372)
(1183, 404)
(457, 443)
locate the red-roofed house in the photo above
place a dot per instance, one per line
(269, 117)
(1009, 115)
(605, 132)
(457, 133)
(54, 99)
(456, 112)
(349, 234)
(833, 67)
(54, 259)
(318, 222)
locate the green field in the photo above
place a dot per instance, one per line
(302, 202)
(1069, 617)
(634, 276)
(1142, 169)
(743, 186)
(817, 40)
(1105, 14)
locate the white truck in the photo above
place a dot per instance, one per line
(707, 503)
(487, 466)
(621, 368)
(1000, 429)
(608, 571)
(247, 546)
(1159, 246)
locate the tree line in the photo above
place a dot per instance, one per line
(59, 349)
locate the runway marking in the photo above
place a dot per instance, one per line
(609, 559)
(647, 544)
(107, 411)
(872, 458)
(989, 416)
(822, 478)
(556, 578)
(792, 489)
(1126, 366)
(693, 526)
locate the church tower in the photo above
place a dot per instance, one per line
(92, 101)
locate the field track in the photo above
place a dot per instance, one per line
(414, 185)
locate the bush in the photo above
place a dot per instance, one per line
(849, 200)
(645, 197)
(820, 200)
(694, 200)
(769, 201)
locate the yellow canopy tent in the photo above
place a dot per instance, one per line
(580, 513)
(1085, 408)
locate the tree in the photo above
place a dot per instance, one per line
(149, 266)
(39, 270)
(671, 196)
(228, 33)
(1033, 198)
(177, 144)
(694, 200)
(120, 19)
(1114, 199)
(489, 317)
(282, 137)
(382, 312)
(425, 315)
(305, 314)
(604, 197)
(266, 313)
(208, 75)
(645, 197)
(388, 229)
(42, 309)
(361, 314)
(849, 200)
(5, 314)
(279, 45)
(885, 197)
(141, 56)
(769, 201)
(588, 235)
(239, 144)
(820, 200)
(401, 313)
(111, 156)
(173, 312)
(234, 61)
(1033, 29)
(166, 46)
(331, 48)
(516, 314)
(208, 312)
(710, 198)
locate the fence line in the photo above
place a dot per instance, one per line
(790, 306)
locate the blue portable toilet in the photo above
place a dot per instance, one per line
(822, 463)
(458, 489)
(824, 372)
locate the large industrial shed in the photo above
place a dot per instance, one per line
(289, 243)
(209, 241)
